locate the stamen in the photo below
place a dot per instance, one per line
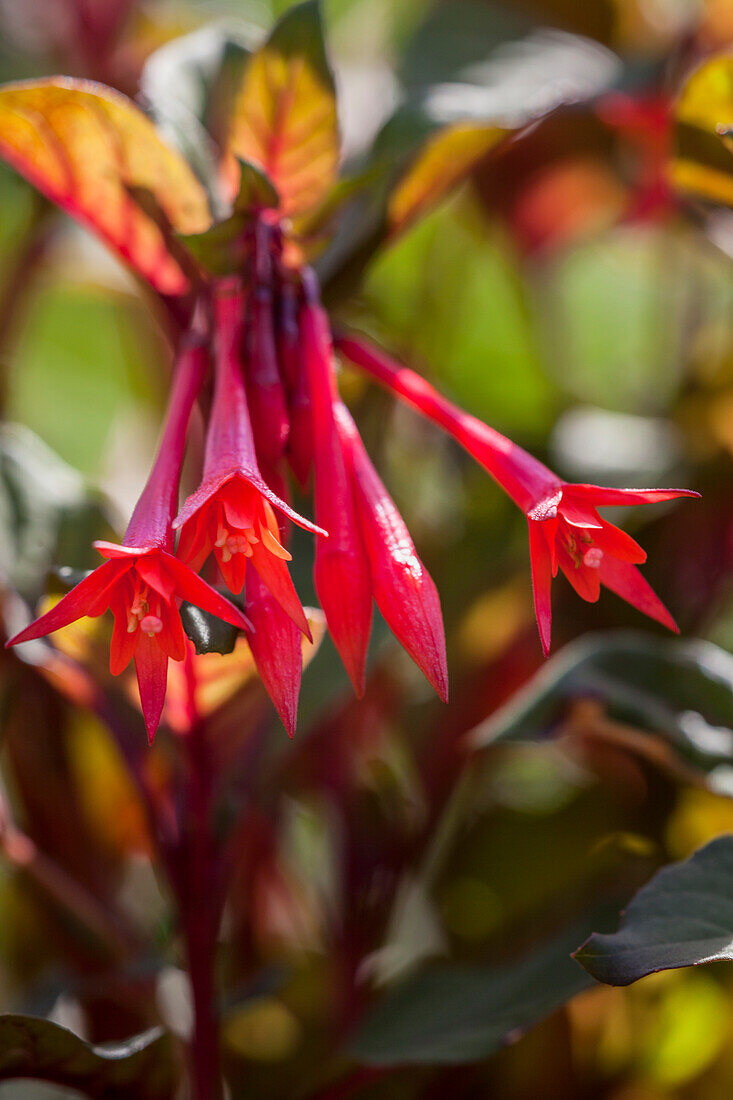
(269, 540)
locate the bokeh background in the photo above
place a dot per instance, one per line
(564, 294)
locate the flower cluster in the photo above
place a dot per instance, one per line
(275, 404)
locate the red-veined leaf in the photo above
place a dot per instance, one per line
(85, 147)
(284, 118)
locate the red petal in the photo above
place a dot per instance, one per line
(627, 582)
(578, 513)
(124, 642)
(195, 543)
(274, 573)
(539, 555)
(240, 501)
(172, 638)
(612, 540)
(583, 578)
(75, 604)
(200, 594)
(276, 648)
(598, 495)
(151, 666)
(233, 571)
(115, 550)
(153, 572)
(404, 590)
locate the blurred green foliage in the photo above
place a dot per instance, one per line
(391, 836)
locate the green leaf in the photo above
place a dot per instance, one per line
(222, 249)
(46, 513)
(439, 134)
(208, 633)
(141, 1068)
(677, 695)
(682, 917)
(456, 1014)
(284, 118)
(188, 86)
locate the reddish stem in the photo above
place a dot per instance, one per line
(524, 478)
(150, 524)
(200, 909)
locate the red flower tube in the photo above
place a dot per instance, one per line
(404, 591)
(264, 387)
(341, 573)
(300, 439)
(231, 513)
(565, 530)
(141, 582)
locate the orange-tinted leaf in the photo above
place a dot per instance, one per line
(284, 118)
(84, 146)
(703, 161)
(444, 160)
(706, 101)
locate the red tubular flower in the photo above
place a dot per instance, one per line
(141, 581)
(565, 530)
(300, 439)
(264, 387)
(342, 571)
(276, 648)
(231, 512)
(404, 591)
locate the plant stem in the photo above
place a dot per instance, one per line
(200, 908)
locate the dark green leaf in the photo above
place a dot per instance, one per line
(141, 1068)
(681, 691)
(438, 135)
(682, 917)
(208, 633)
(456, 1014)
(46, 513)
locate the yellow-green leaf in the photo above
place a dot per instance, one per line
(703, 160)
(284, 118)
(86, 147)
(444, 160)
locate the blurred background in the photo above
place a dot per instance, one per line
(569, 297)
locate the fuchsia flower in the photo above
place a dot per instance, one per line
(141, 581)
(565, 530)
(231, 513)
(369, 553)
(264, 386)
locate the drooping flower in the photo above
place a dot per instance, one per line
(264, 386)
(231, 513)
(565, 530)
(369, 554)
(341, 570)
(403, 589)
(142, 582)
